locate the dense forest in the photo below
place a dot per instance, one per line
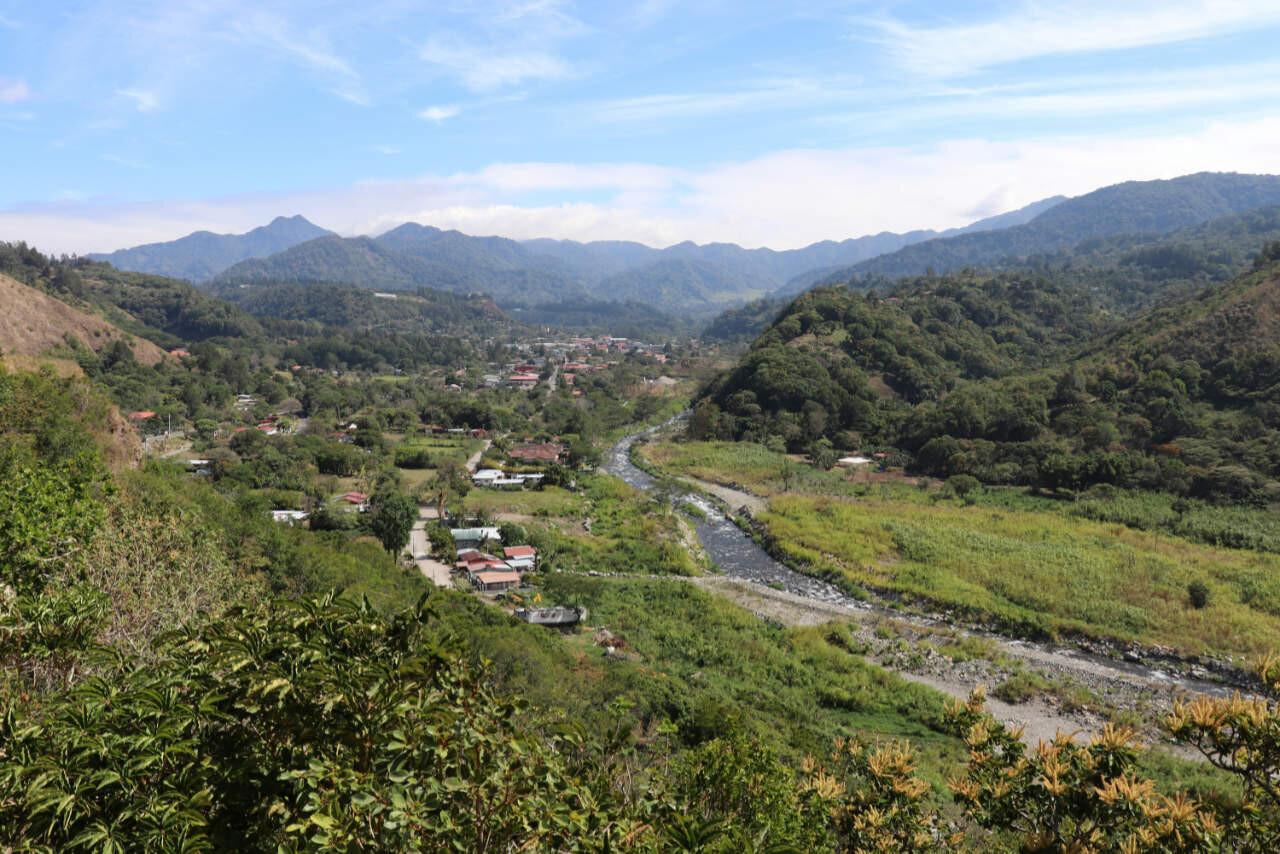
(1014, 378)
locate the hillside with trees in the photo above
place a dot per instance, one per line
(351, 307)
(203, 254)
(1133, 207)
(1016, 379)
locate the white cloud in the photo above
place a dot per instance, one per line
(9, 23)
(13, 91)
(783, 200)
(145, 101)
(484, 69)
(1056, 27)
(439, 113)
(386, 149)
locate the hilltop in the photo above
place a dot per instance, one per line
(202, 254)
(33, 323)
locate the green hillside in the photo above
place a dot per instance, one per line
(1018, 379)
(352, 307)
(368, 263)
(1129, 208)
(203, 254)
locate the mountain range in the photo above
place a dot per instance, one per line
(687, 279)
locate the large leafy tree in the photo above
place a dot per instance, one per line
(391, 517)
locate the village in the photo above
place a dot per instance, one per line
(338, 460)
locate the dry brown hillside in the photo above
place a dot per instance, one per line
(32, 322)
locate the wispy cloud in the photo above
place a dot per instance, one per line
(1056, 27)
(439, 113)
(1208, 90)
(484, 69)
(773, 93)
(142, 99)
(120, 161)
(9, 23)
(273, 32)
(13, 91)
(386, 149)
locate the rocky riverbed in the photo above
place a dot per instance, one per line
(1046, 687)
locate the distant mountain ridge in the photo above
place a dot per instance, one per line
(202, 255)
(1132, 207)
(688, 278)
(696, 281)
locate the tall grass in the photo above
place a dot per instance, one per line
(1040, 571)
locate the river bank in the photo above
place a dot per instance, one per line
(1067, 688)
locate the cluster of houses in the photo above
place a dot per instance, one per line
(487, 572)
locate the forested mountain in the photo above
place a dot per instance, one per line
(353, 307)
(369, 263)
(495, 254)
(203, 254)
(1122, 272)
(166, 311)
(627, 319)
(825, 264)
(683, 285)
(1133, 207)
(601, 259)
(1022, 378)
(744, 322)
(687, 276)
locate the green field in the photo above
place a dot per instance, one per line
(549, 501)
(1112, 564)
(1035, 570)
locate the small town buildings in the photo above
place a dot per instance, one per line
(355, 501)
(522, 558)
(547, 452)
(494, 580)
(475, 535)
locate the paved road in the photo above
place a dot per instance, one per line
(475, 458)
(420, 548)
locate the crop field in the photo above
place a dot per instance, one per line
(1042, 571)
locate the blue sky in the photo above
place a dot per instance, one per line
(761, 123)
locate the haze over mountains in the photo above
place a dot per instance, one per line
(686, 280)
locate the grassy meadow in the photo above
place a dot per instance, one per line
(499, 503)
(1037, 570)
(1110, 563)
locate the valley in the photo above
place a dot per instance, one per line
(941, 517)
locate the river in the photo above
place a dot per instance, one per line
(737, 556)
